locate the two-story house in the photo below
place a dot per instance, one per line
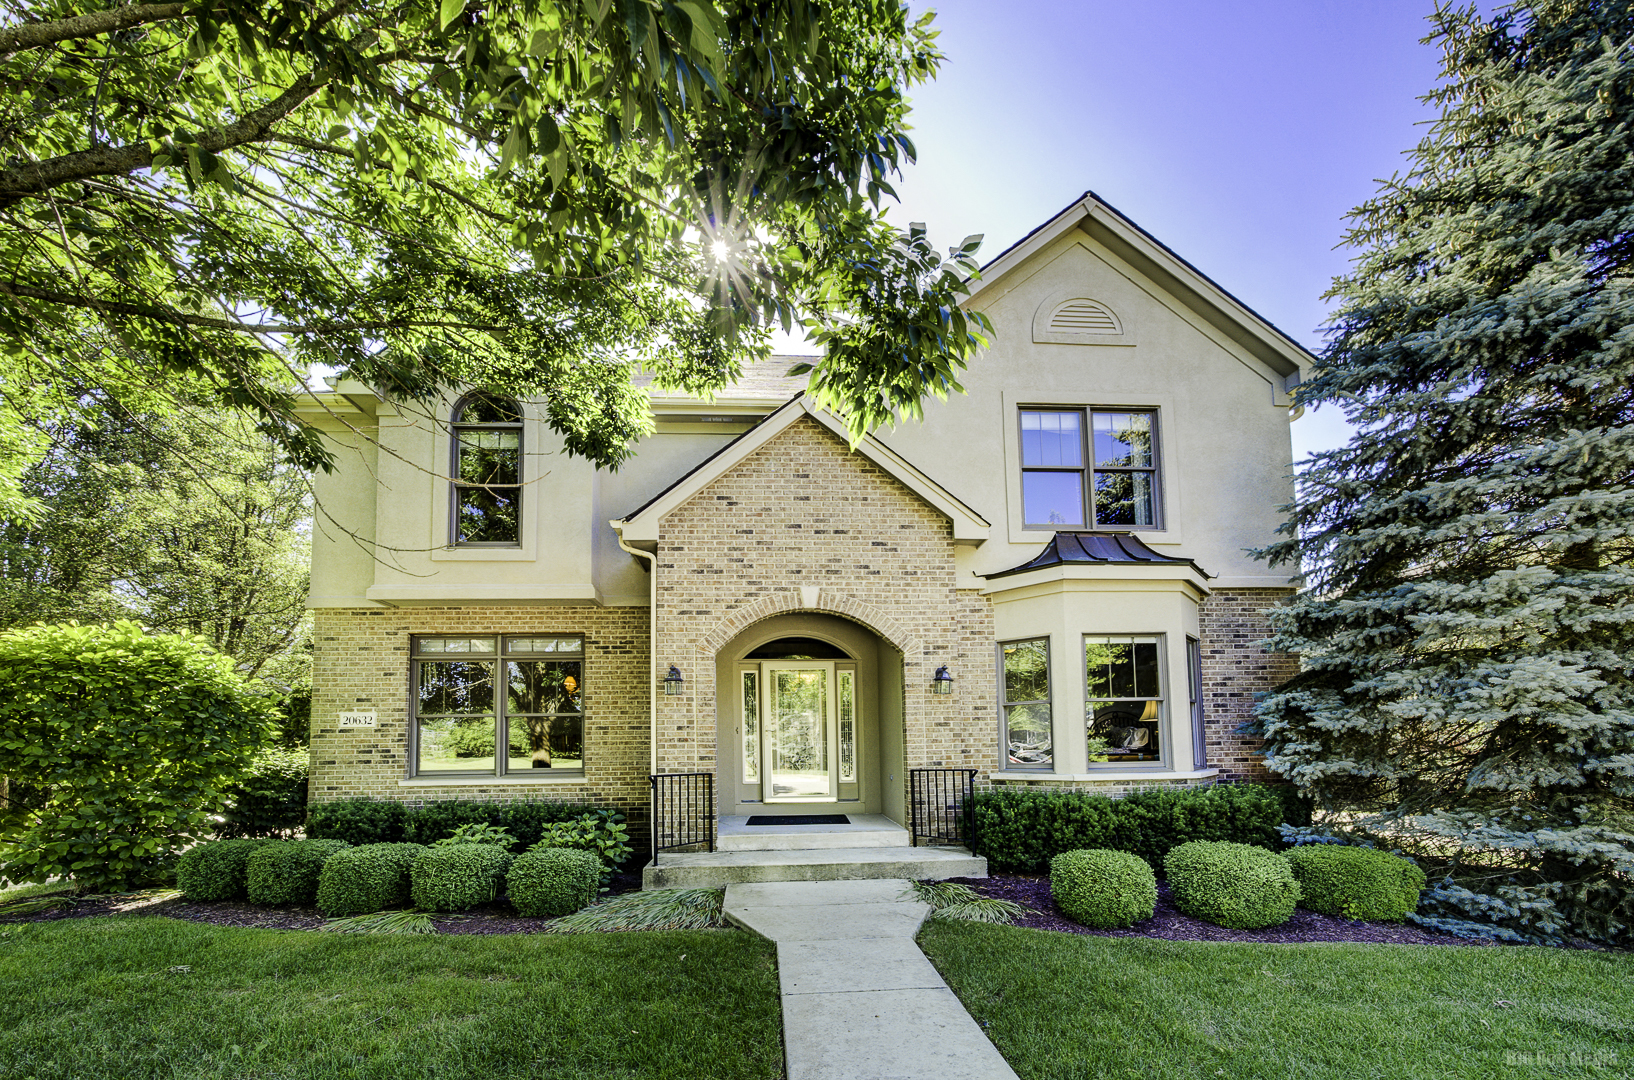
(1046, 581)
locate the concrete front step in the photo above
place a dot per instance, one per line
(712, 869)
(865, 831)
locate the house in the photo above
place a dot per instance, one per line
(1044, 583)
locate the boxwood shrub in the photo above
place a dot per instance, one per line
(215, 870)
(1023, 829)
(1356, 882)
(551, 881)
(357, 821)
(1238, 886)
(366, 879)
(1103, 889)
(286, 871)
(458, 876)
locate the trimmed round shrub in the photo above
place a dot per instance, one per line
(458, 876)
(357, 821)
(1103, 889)
(1356, 882)
(1238, 886)
(287, 871)
(216, 870)
(553, 881)
(367, 879)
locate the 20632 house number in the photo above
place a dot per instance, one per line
(358, 719)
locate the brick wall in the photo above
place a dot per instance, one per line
(360, 663)
(1235, 668)
(804, 524)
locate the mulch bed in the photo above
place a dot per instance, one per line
(1169, 924)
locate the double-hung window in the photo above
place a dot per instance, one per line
(487, 468)
(1089, 468)
(1123, 699)
(480, 710)
(1024, 704)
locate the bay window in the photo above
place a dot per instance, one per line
(1123, 699)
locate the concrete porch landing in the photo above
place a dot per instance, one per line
(872, 846)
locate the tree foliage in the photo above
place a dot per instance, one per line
(536, 196)
(117, 746)
(1467, 624)
(183, 520)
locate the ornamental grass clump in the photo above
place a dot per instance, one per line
(1103, 889)
(457, 877)
(1356, 882)
(216, 870)
(551, 882)
(287, 871)
(1237, 886)
(367, 879)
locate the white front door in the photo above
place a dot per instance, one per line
(801, 744)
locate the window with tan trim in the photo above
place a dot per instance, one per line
(1089, 468)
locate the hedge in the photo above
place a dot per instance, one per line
(553, 881)
(1356, 882)
(286, 871)
(1238, 886)
(458, 876)
(1021, 830)
(363, 880)
(216, 869)
(1103, 889)
(357, 821)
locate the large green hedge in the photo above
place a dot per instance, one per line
(125, 743)
(357, 821)
(1022, 829)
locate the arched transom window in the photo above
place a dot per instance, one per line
(487, 471)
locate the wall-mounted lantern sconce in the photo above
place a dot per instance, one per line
(673, 682)
(942, 683)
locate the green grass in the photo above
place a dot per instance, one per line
(131, 998)
(1062, 1005)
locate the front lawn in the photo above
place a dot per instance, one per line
(130, 998)
(1061, 1006)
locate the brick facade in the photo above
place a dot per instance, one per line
(361, 662)
(804, 524)
(1235, 669)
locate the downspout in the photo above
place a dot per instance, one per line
(652, 641)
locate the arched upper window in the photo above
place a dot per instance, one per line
(487, 471)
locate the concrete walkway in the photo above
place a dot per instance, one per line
(860, 1001)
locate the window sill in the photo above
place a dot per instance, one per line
(493, 781)
(1104, 774)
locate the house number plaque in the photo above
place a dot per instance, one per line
(357, 719)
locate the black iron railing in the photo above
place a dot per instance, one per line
(683, 811)
(939, 809)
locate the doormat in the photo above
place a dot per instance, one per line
(801, 819)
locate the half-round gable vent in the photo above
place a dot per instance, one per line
(1084, 317)
(1078, 320)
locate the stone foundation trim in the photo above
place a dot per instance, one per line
(1107, 777)
(492, 781)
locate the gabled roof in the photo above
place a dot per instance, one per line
(1189, 285)
(1096, 548)
(641, 525)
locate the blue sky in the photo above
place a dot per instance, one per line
(1238, 133)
